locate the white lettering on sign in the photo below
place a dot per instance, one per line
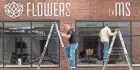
(48, 9)
(122, 9)
(15, 9)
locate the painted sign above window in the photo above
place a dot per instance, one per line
(61, 9)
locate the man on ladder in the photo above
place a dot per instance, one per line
(105, 34)
(71, 48)
(71, 51)
(117, 31)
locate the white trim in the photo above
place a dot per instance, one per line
(30, 66)
(17, 65)
(100, 65)
(46, 65)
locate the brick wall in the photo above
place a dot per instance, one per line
(81, 10)
(94, 10)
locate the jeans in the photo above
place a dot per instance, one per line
(70, 51)
(106, 48)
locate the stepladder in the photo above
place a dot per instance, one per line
(54, 24)
(124, 50)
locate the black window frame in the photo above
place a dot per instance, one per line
(103, 26)
(30, 22)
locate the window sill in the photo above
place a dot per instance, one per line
(30, 66)
(100, 65)
(46, 65)
(17, 65)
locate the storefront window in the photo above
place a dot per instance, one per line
(40, 33)
(117, 55)
(51, 57)
(17, 51)
(41, 28)
(124, 28)
(24, 43)
(17, 28)
(90, 49)
(17, 44)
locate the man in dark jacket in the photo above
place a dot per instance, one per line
(71, 48)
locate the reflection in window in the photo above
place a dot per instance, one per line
(90, 50)
(42, 28)
(123, 26)
(20, 38)
(117, 54)
(52, 52)
(17, 28)
(17, 51)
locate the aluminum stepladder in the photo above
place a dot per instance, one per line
(46, 45)
(124, 50)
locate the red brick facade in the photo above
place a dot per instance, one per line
(89, 10)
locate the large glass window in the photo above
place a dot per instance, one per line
(40, 33)
(17, 51)
(22, 43)
(17, 44)
(90, 49)
(117, 56)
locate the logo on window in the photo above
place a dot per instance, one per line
(89, 51)
(13, 9)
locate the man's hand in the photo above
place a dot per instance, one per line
(65, 35)
(116, 31)
(62, 34)
(63, 47)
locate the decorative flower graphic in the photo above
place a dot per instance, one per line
(89, 51)
(13, 9)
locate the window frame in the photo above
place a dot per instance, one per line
(30, 36)
(130, 35)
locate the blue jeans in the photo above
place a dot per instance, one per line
(70, 51)
(106, 48)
